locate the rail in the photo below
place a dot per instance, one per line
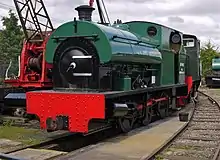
(217, 153)
(8, 157)
(169, 141)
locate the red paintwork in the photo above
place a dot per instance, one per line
(140, 107)
(189, 82)
(180, 101)
(29, 78)
(79, 107)
(150, 102)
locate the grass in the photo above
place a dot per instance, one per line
(26, 136)
(19, 134)
(159, 157)
(8, 123)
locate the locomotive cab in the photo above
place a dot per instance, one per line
(192, 47)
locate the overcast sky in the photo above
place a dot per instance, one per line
(199, 17)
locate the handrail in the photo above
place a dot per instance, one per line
(134, 40)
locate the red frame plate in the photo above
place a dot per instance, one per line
(79, 107)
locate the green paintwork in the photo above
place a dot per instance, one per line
(182, 68)
(140, 28)
(157, 74)
(132, 44)
(167, 70)
(216, 63)
(122, 26)
(123, 84)
(193, 52)
(162, 39)
(123, 49)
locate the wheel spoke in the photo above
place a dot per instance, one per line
(147, 116)
(126, 124)
(163, 110)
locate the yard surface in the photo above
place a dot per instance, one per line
(14, 137)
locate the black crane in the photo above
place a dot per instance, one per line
(34, 19)
(103, 15)
(36, 22)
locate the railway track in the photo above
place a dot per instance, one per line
(199, 139)
(66, 144)
(61, 144)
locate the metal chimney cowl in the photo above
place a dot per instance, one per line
(85, 12)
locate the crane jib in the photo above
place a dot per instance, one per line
(34, 19)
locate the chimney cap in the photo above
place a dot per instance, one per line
(85, 12)
(84, 7)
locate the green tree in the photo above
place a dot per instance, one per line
(208, 52)
(11, 38)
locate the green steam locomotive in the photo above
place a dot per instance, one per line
(114, 75)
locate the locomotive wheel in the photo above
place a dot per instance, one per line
(163, 107)
(163, 110)
(148, 113)
(126, 124)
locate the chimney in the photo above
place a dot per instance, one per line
(85, 12)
